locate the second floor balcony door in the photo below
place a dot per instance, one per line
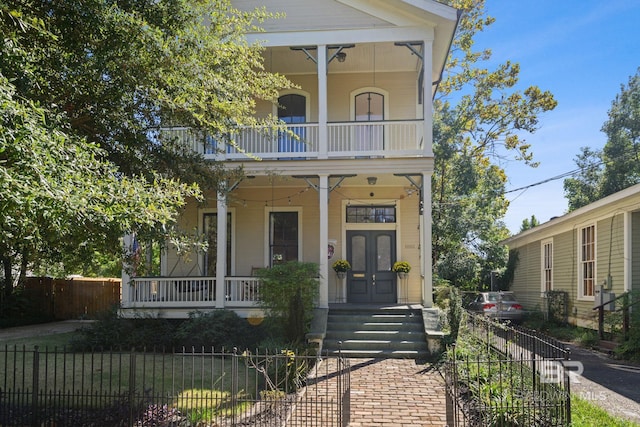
(292, 109)
(369, 107)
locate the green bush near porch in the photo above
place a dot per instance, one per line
(288, 294)
(216, 329)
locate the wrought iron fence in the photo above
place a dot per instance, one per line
(187, 388)
(500, 375)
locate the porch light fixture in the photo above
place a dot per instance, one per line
(341, 56)
(372, 180)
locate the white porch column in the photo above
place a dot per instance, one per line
(322, 102)
(427, 265)
(323, 202)
(427, 98)
(221, 250)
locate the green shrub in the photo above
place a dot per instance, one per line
(630, 348)
(587, 338)
(19, 309)
(113, 332)
(288, 293)
(218, 329)
(536, 320)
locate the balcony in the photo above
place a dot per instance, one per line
(386, 139)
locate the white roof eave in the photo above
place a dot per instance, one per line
(544, 230)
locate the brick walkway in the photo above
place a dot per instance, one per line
(384, 393)
(396, 392)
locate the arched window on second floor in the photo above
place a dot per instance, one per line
(292, 108)
(369, 105)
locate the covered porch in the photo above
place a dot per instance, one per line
(323, 197)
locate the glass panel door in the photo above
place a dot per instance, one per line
(369, 108)
(292, 109)
(371, 254)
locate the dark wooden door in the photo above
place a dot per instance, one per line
(371, 254)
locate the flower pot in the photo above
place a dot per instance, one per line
(402, 275)
(341, 274)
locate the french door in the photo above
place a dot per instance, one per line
(371, 254)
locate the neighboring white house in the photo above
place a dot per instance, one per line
(357, 185)
(592, 250)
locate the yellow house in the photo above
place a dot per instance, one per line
(585, 255)
(354, 185)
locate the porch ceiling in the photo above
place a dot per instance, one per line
(382, 168)
(360, 180)
(367, 57)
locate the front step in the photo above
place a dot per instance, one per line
(376, 333)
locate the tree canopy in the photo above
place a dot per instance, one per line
(84, 86)
(617, 165)
(119, 69)
(479, 115)
(529, 223)
(58, 197)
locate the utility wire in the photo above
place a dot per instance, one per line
(554, 178)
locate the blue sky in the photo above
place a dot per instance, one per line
(580, 50)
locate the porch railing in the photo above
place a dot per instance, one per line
(162, 292)
(344, 139)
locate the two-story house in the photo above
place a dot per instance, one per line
(354, 185)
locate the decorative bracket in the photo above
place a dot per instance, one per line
(410, 46)
(307, 51)
(419, 186)
(316, 187)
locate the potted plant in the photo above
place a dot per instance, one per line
(402, 268)
(341, 266)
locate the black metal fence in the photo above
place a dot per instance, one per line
(186, 388)
(500, 375)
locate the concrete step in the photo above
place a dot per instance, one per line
(397, 335)
(374, 345)
(365, 332)
(382, 354)
(375, 326)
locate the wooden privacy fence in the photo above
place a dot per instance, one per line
(74, 298)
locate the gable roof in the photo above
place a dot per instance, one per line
(332, 22)
(561, 223)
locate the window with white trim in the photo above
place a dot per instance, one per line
(587, 261)
(283, 237)
(547, 266)
(210, 229)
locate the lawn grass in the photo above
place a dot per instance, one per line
(97, 378)
(587, 414)
(583, 412)
(45, 341)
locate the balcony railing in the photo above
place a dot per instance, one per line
(344, 140)
(176, 292)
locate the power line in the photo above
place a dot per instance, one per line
(554, 178)
(544, 181)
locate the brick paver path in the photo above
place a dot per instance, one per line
(396, 392)
(384, 393)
